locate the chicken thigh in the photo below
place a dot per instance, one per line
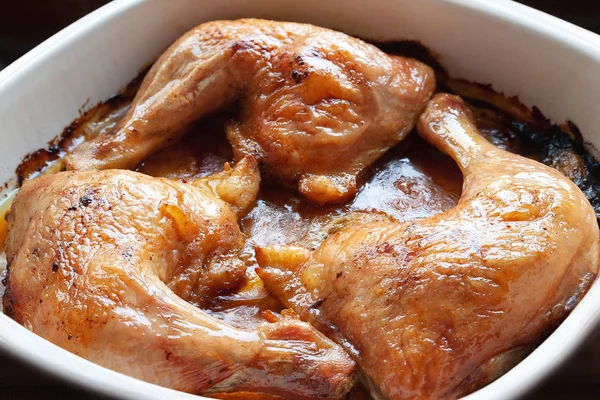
(101, 263)
(433, 308)
(315, 106)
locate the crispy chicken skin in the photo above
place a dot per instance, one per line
(315, 106)
(101, 264)
(434, 308)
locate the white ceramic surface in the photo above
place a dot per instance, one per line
(546, 61)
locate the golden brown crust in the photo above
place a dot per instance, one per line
(313, 102)
(102, 264)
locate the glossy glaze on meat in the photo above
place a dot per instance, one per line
(435, 307)
(413, 181)
(315, 106)
(105, 265)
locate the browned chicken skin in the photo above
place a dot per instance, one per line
(316, 106)
(101, 263)
(433, 308)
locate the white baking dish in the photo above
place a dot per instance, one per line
(547, 62)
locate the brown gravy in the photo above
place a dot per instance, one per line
(413, 180)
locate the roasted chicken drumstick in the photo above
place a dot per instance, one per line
(315, 106)
(434, 308)
(101, 263)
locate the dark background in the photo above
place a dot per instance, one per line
(26, 23)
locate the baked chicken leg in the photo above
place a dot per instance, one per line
(434, 308)
(100, 263)
(315, 105)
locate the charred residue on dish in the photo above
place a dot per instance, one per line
(507, 122)
(36, 162)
